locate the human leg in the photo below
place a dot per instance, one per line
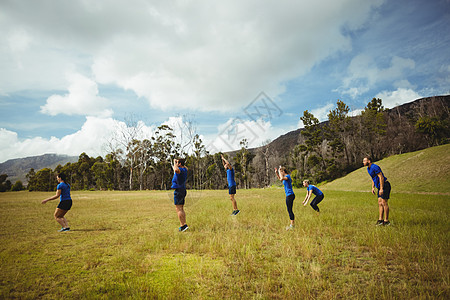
(181, 214)
(59, 217)
(289, 206)
(384, 204)
(179, 200)
(384, 200)
(233, 202)
(314, 203)
(380, 209)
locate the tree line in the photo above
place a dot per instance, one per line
(322, 152)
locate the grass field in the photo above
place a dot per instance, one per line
(126, 245)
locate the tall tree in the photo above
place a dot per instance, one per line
(373, 127)
(243, 159)
(164, 150)
(313, 139)
(337, 130)
(433, 128)
(31, 179)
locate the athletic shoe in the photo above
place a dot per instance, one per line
(290, 227)
(64, 229)
(183, 228)
(61, 230)
(379, 222)
(235, 212)
(387, 223)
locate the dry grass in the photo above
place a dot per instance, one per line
(126, 245)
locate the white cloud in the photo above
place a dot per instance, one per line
(235, 130)
(96, 137)
(364, 74)
(400, 96)
(94, 133)
(320, 113)
(82, 99)
(199, 55)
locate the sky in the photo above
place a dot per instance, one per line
(74, 73)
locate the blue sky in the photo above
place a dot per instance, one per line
(71, 72)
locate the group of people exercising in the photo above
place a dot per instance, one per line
(379, 181)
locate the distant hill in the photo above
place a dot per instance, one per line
(420, 171)
(16, 169)
(285, 143)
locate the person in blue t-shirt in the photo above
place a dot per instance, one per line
(65, 202)
(179, 195)
(311, 189)
(231, 185)
(380, 182)
(283, 175)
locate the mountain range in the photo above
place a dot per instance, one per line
(17, 168)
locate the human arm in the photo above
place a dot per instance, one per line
(373, 187)
(58, 193)
(307, 197)
(277, 173)
(279, 176)
(381, 177)
(175, 167)
(226, 163)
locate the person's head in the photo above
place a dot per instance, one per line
(367, 161)
(61, 177)
(306, 183)
(181, 161)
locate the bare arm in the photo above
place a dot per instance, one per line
(277, 173)
(175, 166)
(58, 193)
(226, 163)
(381, 177)
(373, 187)
(308, 196)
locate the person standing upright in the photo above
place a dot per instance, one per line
(179, 195)
(282, 175)
(231, 185)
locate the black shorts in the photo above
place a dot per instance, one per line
(65, 204)
(232, 190)
(179, 196)
(386, 191)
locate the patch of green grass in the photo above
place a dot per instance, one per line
(421, 171)
(126, 245)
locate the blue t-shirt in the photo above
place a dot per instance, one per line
(230, 177)
(373, 171)
(179, 180)
(314, 190)
(288, 186)
(65, 191)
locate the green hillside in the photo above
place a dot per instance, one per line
(421, 171)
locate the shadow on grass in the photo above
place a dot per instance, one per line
(91, 229)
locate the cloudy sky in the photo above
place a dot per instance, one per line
(72, 72)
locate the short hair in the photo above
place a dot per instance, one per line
(62, 176)
(306, 181)
(284, 170)
(368, 158)
(182, 161)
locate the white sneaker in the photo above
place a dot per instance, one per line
(290, 227)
